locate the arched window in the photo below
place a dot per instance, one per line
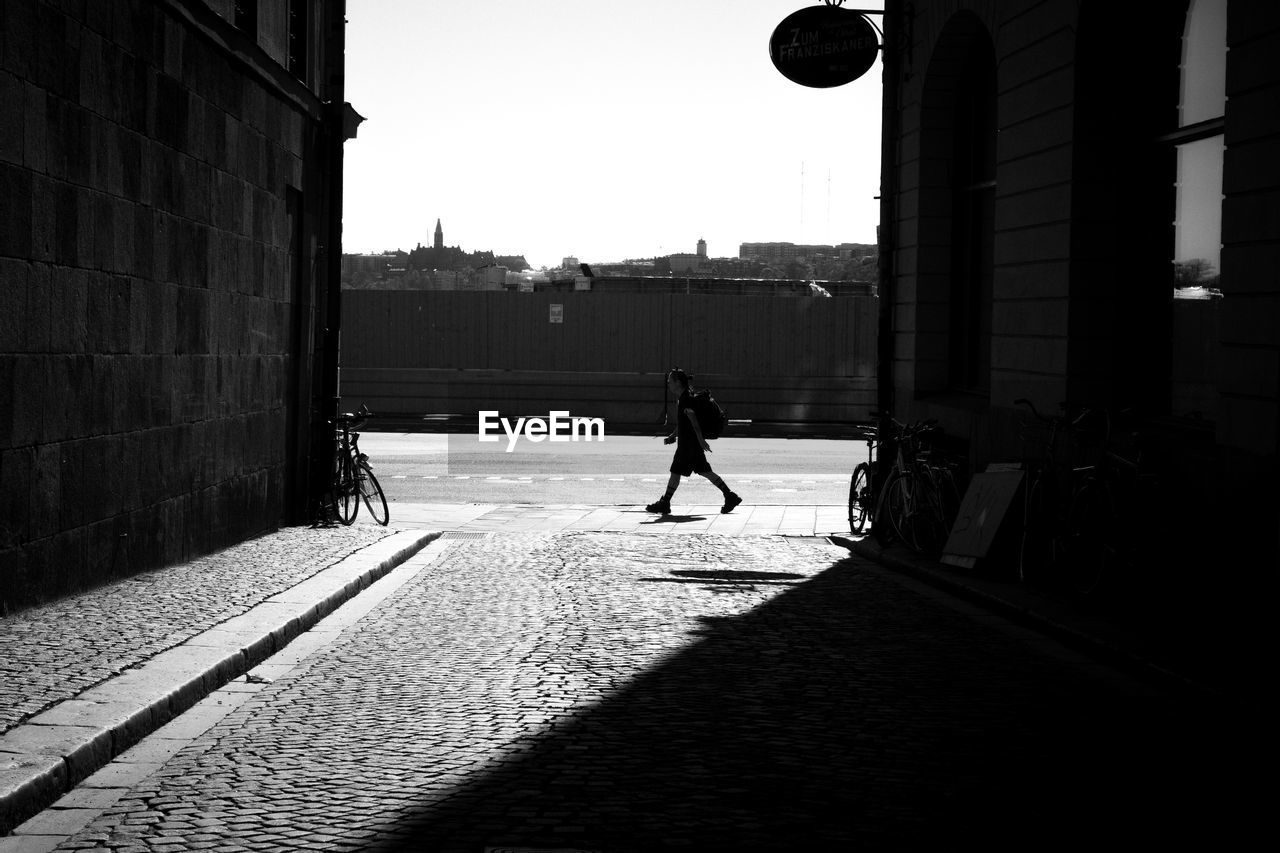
(973, 196)
(956, 236)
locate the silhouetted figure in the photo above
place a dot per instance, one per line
(691, 447)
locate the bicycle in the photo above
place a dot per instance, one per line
(862, 496)
(1115, 499)
(1047, 523)
(353, 478)
(919, 497)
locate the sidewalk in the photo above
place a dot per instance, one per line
(1198, 648)
(84, 678)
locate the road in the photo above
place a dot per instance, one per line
(622, 469)
(622, 692)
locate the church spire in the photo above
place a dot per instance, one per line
(439, 235)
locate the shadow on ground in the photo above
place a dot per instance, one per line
(850, 713)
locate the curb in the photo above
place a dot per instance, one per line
(1081, 641)
(49, 754)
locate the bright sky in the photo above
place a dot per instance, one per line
(597, 129)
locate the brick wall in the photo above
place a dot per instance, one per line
(146, 299)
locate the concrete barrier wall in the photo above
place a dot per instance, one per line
(771, 359)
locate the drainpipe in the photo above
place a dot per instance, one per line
(329, 264)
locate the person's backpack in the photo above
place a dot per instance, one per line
(711, 418)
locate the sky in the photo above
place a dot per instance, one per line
(598, 130)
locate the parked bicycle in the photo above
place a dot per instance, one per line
(1048, 526)
(862, 495)
(353, 478)
(919, 498)
(1115, 505)
(1083, 517)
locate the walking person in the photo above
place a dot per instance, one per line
(691, 447)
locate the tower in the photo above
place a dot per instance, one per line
(439, 235)
(702, 248)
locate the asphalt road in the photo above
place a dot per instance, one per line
(623, 469)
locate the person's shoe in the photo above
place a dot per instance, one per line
(661, 506)
(730, 502)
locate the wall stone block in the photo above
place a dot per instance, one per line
(92, 91)
(8, 379)
(104, 237)
(194, 321)
(110, 310)
(72, 511)
(11, 129)
(144, 248)
(16, 472)
(44, 218)
(15, 279)
(39, 307)
(100, 404)
(66, 219)
(20, 45)
(125, 376)
(156, 392)
(35, 128)
(16, 212)
(69, 310)
(79, 129)
(45, 498)
(162, 247)
(162, 325)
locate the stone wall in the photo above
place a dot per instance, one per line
(156, 200)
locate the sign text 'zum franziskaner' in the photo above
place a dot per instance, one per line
(824, 46)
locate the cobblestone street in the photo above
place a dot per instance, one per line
(636, 692)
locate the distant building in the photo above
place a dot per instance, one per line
(781, 253)
(491, 278)
(686, 263)
(371, 265)
(569, 263)
(702, 248)
(439, 236)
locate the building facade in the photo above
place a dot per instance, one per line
(1079, 205)
(170, 211)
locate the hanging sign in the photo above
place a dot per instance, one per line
(823, 46)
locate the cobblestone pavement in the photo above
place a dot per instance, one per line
(53, 652)
(631, 692)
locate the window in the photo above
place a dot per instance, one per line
(246, 17)
(1200, 147)
(973, 194)
(298, 27)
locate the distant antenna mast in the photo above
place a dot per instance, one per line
(828, 198)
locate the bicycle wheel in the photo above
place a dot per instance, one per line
(887, 521)
(348, 497)
(900, 499)
(1086, 543)
(861, 498)
(371, 494)
(926, 522)
(1035, 545)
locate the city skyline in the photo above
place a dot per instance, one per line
(600, 133)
